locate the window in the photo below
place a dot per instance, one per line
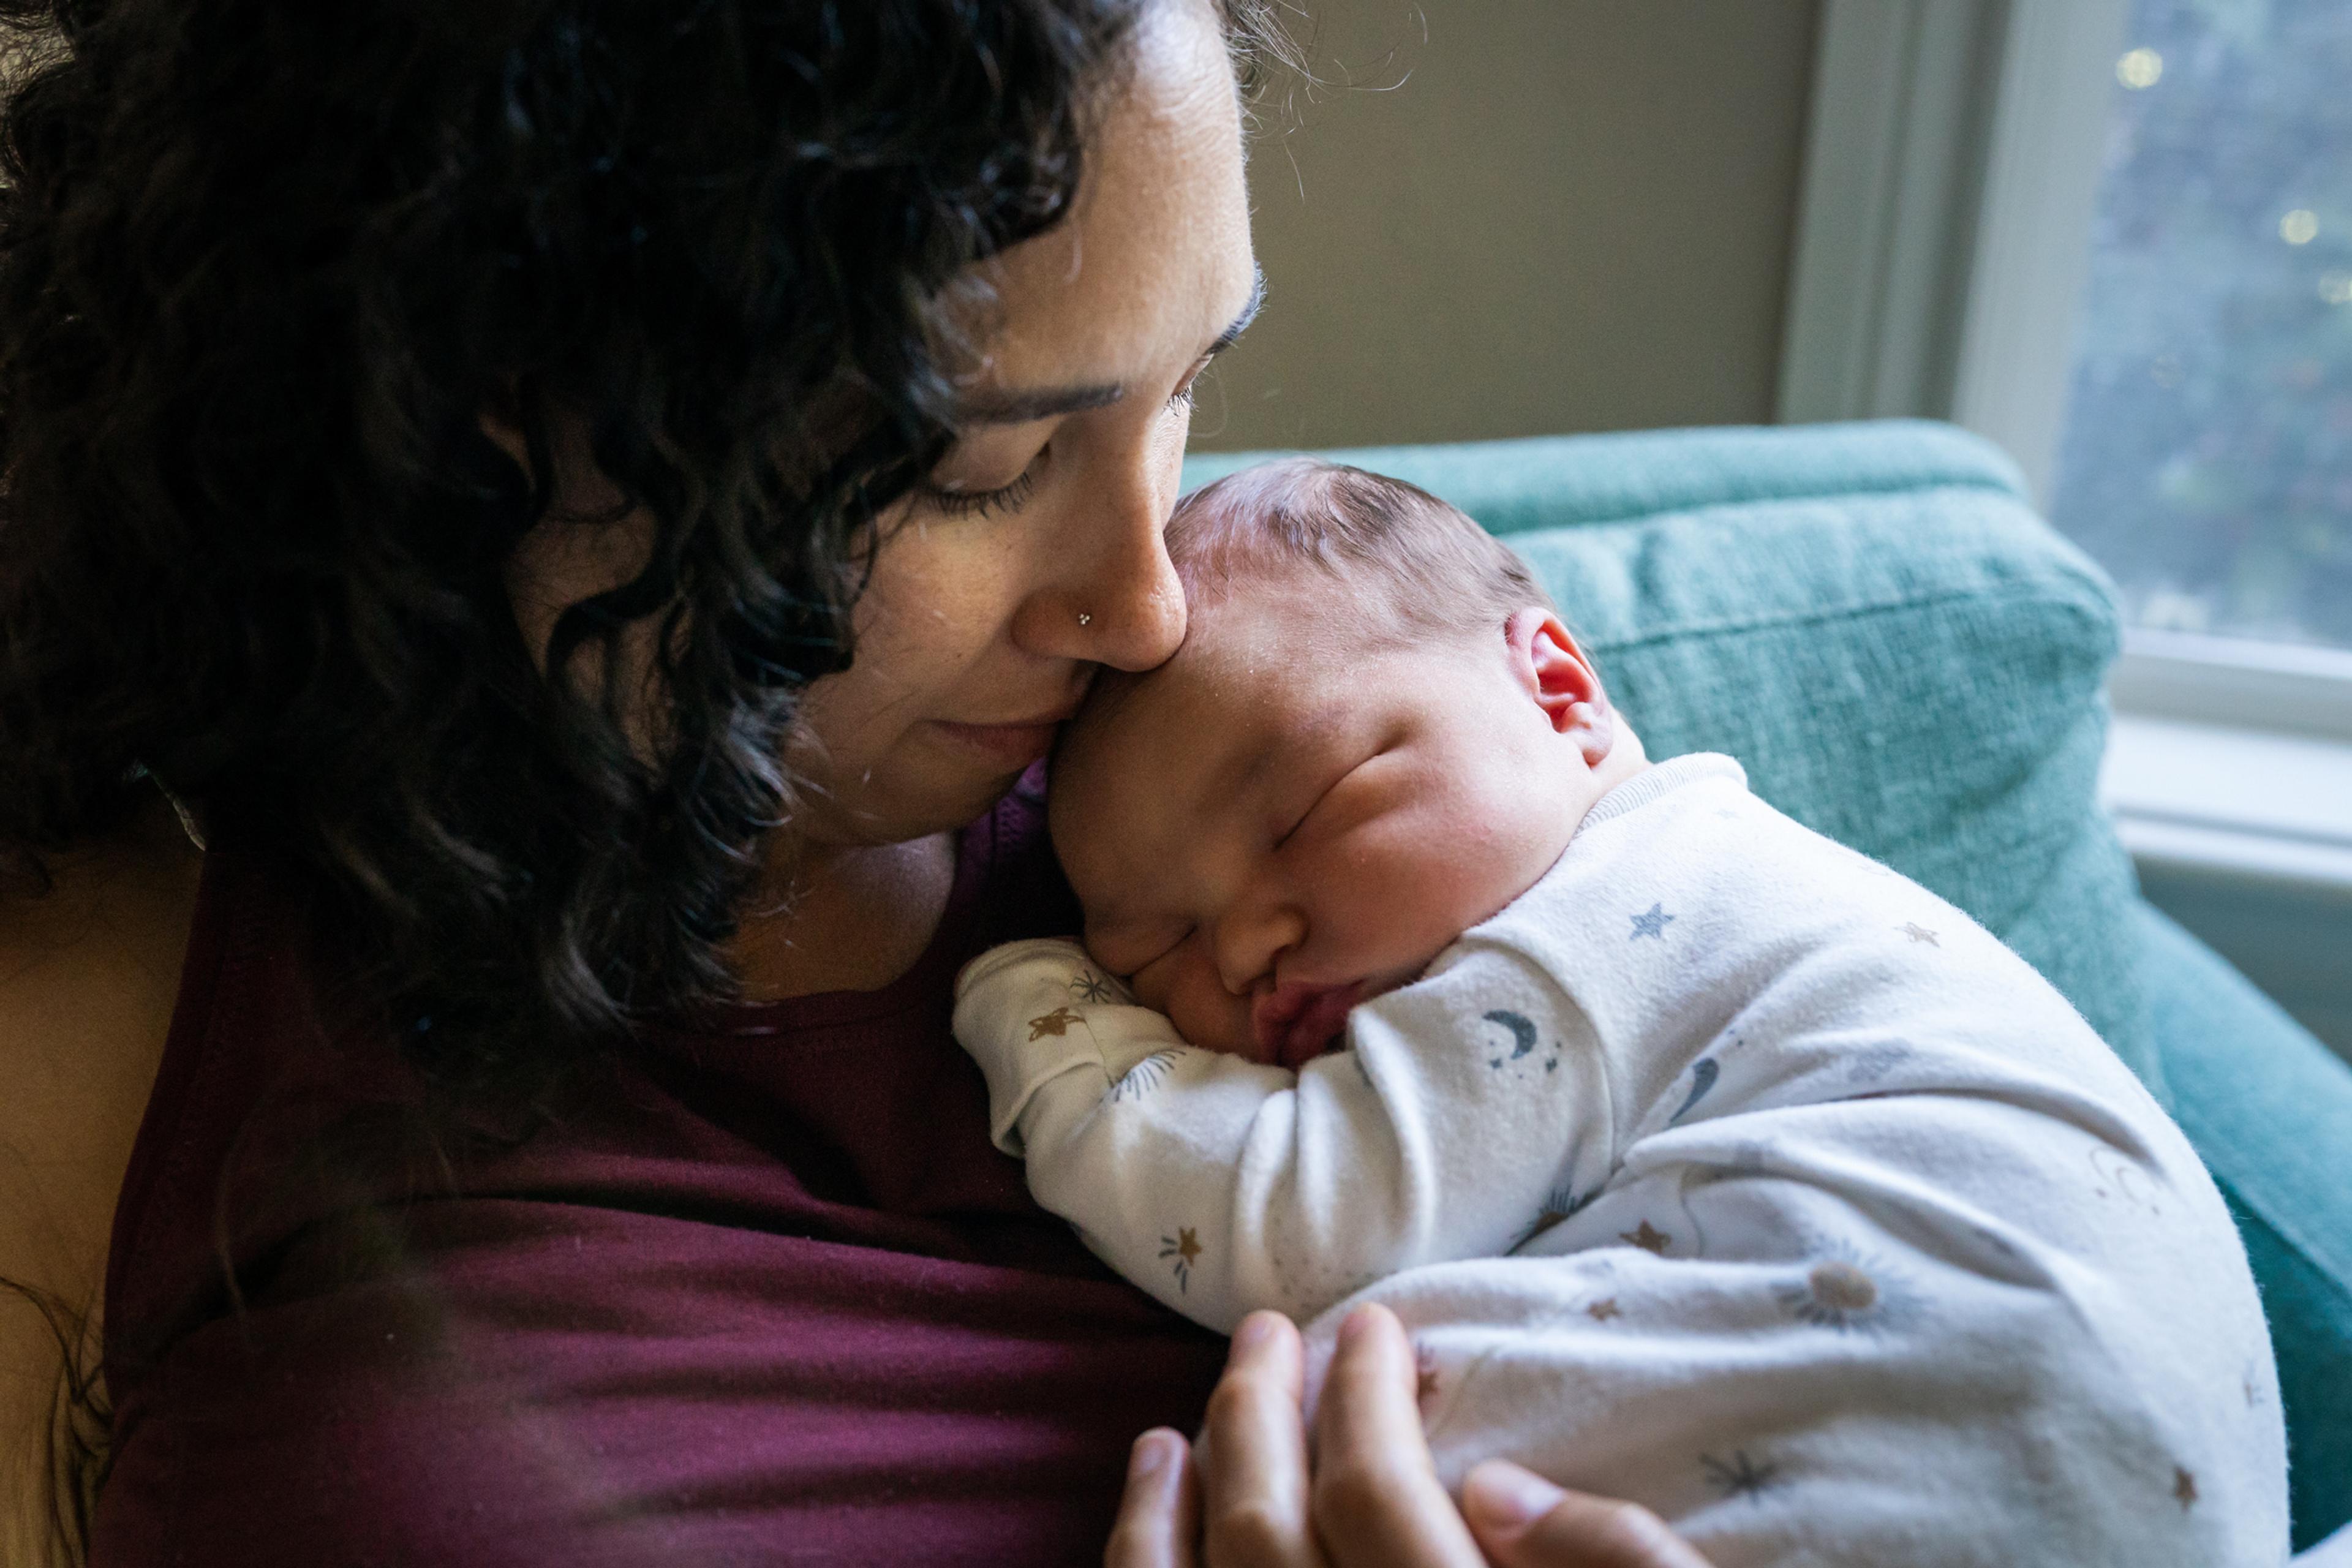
(2206, 454)
(2113, 237)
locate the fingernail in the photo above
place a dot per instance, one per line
(1255, 1330)
(1149, 1453)
(1355, 1325)
(1504, 1495)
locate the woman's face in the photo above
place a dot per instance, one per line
(1034, 554)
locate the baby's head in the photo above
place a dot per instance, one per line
(1376, 734)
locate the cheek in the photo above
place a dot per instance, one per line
(1198, 1003)
(1414, 876)
(1492, 837)
(934, 594)
(924, 630)
(931, 609)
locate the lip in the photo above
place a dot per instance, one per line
(1013, 744)
(1294, 1023)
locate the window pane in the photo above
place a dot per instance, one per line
(2206, 458)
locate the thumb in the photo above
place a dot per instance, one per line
(1522, 1520)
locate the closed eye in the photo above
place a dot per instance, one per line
(1182, 396)
(1307, 815)
(981, 503)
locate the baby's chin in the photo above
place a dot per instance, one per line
(1245, 1046)
(1222, 1030)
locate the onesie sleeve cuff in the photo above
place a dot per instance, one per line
(1021, 1012)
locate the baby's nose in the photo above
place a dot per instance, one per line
(1250, 946)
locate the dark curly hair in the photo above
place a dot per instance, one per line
(263, 269)
(265, 266)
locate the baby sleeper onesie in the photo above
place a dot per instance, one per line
(1726, 1170)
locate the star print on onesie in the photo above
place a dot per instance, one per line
(1055, 1023)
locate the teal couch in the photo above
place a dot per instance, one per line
(1873, 619)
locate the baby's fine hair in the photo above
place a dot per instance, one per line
(1440, 572)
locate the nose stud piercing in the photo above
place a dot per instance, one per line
(1084, 617)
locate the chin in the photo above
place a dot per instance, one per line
(917, 810)
(1226, 1035)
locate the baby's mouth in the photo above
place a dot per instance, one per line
(1294, 1024)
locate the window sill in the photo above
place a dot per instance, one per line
(2244, 836)
(2236, 683)
(2220, 800)
(2233, 759)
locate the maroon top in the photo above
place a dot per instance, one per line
(764, 1293)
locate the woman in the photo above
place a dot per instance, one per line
(542, 538)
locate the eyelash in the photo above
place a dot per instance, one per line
(1013, 496)
(982, 504)
(1312, 806)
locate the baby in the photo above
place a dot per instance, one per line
(1710, 1163)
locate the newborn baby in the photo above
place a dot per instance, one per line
(1710, 1163)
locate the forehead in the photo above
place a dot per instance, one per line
(1145, 774)
(1157, 247)
(1149, 733)
(1254, 670)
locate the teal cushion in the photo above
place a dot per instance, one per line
(2270, 1108)
(1874, 621)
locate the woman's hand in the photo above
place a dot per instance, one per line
(1246, 1495)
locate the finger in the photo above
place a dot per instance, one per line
(1522, 1520)
(1377, 1499)
(1252, 1456)
(1160, 1511)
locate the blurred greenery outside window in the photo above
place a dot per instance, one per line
(2206, 458)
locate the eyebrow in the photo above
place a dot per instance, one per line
(1050, 403)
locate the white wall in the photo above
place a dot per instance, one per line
(1572, 215)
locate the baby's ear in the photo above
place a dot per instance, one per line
(1563, 681)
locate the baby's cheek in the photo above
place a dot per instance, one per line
(1445, 869)
(1205, 1012)
(1153, 983)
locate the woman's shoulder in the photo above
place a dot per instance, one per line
(89, 969)
(90, 973)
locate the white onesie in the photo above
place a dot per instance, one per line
(1726, 1170)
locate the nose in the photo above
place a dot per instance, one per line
(1143, 620)
(1250, 939)
(1117, 599)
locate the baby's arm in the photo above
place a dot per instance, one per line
(1934, 1327)
(1467, 1101)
